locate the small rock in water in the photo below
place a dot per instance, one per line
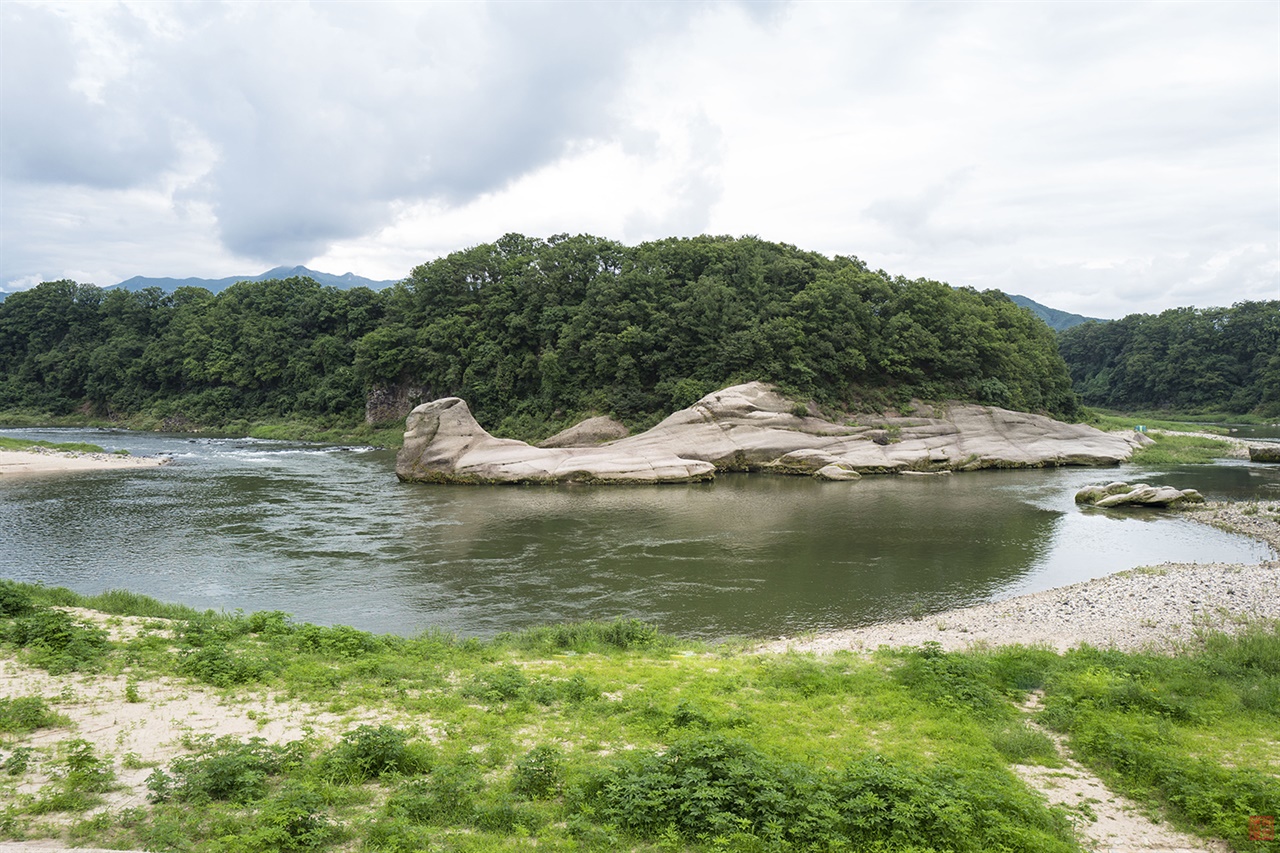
(1123, 494)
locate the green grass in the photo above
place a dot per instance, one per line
(612, 736)
(7, 443)
(1181, 449)
(1170, 420)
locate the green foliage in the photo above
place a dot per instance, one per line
(372, 752)
(446, 798)
(530, 332)
(1181, 449)
(1019, 743)
(227, 770)
(1145, 721)
(709, 786)
(15, 599)
(79, 779)
(1186, 359)
(22, 714)
(339, 640)
(7, 443)
(538, 775)
(56, 641)
(953, 680)
(623, 634)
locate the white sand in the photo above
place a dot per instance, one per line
(42, 460)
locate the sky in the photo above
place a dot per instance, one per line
(1103, 158)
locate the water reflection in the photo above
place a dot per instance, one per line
(332, 537)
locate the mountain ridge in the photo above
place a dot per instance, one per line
(346, 281)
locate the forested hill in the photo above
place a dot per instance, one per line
(1057, 320)
(531, 332)
(1187, 359)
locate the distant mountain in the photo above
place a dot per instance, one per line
(345, 281)
(1057, 320)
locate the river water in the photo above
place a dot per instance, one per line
(329, 535)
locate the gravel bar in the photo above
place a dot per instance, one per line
(1156, 607)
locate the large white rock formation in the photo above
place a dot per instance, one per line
(753, 428)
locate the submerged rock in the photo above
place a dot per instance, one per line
(1123, 494)
(751, 427)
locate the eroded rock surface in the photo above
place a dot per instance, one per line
(1123, 494)
(753, 428)
(589, 433)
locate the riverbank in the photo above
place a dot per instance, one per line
(163, 728)
(43, 460)
(1157, 607)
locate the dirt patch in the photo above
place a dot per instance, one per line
(1103, 821)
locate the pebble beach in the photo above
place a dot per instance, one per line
(1158, 607)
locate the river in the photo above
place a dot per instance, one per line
(329, 535)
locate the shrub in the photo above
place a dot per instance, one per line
(15, 599)
(370, 752)
(339, 640)
(955, 680)
(710, 786)
(538, 774)
(231, 771)
(622, 634)
(499, 684)
(57, 641)
(213, 663)
(22, 714)
(445, 798)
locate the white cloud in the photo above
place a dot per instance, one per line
(1100, 158)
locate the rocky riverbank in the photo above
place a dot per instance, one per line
(1158, 607)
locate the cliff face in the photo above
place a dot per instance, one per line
(753, 428)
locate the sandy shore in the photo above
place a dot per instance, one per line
(1157, 607)
(42, 460)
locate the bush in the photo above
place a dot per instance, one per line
(710, 786)
(446, 798)
(215, 664)
(231, 771)
(957, 680)
(15, 599)
(22, 714)
(57, 641)
(538, 774)
(370, 752)
(622, 634)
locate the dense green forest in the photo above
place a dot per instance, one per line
(530, 332)
(1186, 359)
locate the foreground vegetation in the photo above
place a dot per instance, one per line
(611, 736)
(533, 334)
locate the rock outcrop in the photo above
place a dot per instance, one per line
(589, 433)
(753, 428)
(1123, 494)
(1264, 453)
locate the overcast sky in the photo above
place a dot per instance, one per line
(1103, 158)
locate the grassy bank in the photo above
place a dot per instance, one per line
(7, 443)
(611, 736)
(1170, 448)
